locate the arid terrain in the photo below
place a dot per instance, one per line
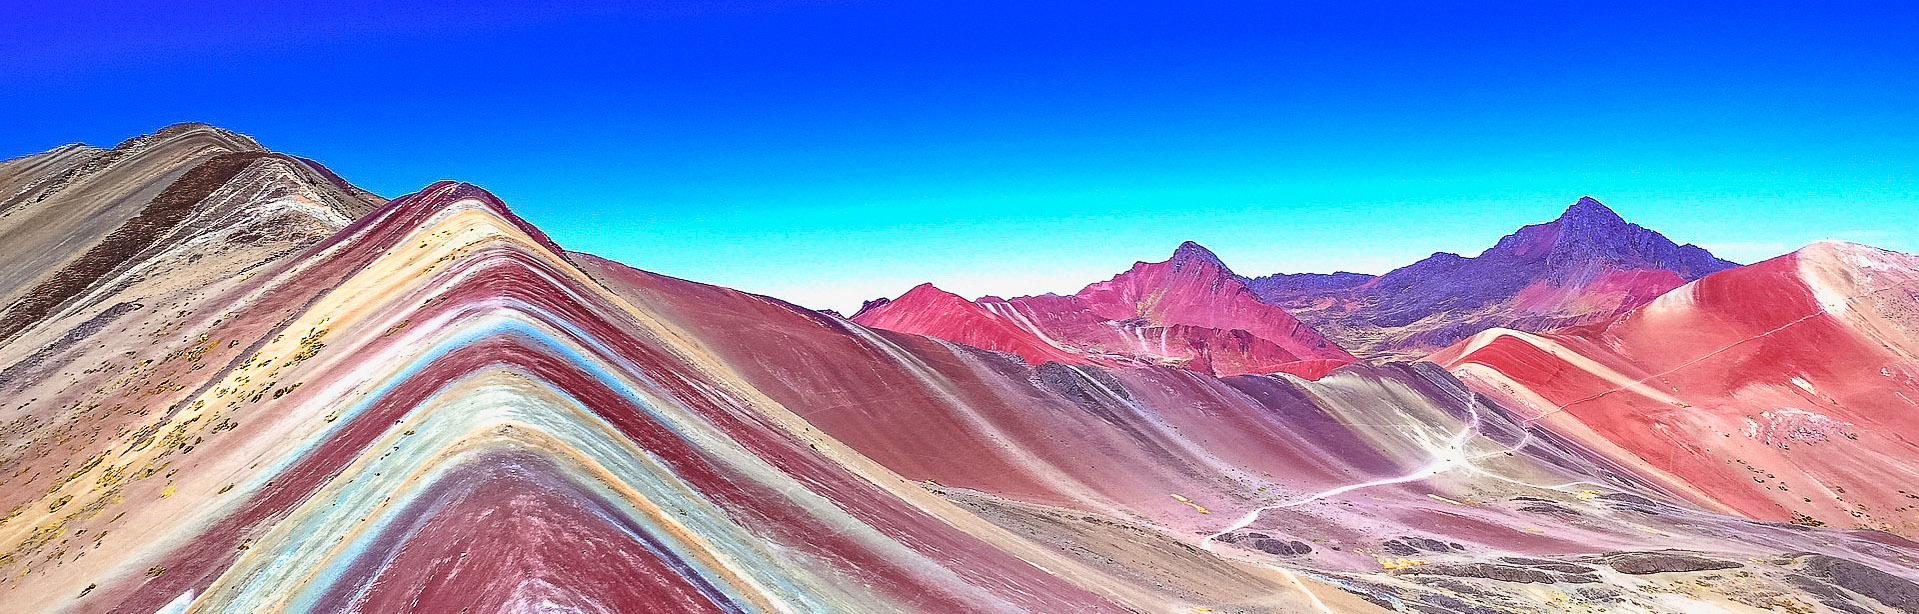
(233, 382)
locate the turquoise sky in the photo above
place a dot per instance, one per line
(829, 152)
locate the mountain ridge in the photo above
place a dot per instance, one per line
(1189, 310)
(433, 407)
(1766, 363)
(184, 180)
(1586, 264)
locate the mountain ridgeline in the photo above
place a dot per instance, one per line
(1189, 311)
(1585, 266)
(1588, 265)
(234, 383)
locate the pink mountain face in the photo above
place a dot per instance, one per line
(1189, 310)
(1587, 265)
(933, 312)
(1777, 390)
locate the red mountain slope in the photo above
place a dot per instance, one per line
(1189, 310)
(1787, 389)
(291, 399)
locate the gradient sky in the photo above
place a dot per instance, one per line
(829, 152)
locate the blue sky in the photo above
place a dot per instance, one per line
(828, 152)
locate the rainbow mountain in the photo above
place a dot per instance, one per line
(235, 383)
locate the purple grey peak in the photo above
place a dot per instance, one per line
(1589, 232)
(1585, 242)
(1190, 252)
(1588, 237)
(1282, 286)
(871, 305)
(1589, 212)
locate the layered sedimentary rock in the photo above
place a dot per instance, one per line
(1189, 311)
(1585, 266)
(1783, 390)
(437, 409)
(187, 195)
(432, 411)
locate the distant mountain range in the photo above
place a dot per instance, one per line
(1587, 265)
(1194, 311)
(1188, 310)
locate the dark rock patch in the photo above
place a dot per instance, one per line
(1457, 587)
(1488, 571)
(1091, 389)
(1370, 597)
(1398, 548)
(1452, 605)
(1628, 501)
(1265, 543)
(1642, 563)
(1548, 508)
(1434, 603)
(1520, 560)
(1826, 594)
(1896, 592)
(1282, 548)
(1408, 546)
(1547, 564)
(1601, 594)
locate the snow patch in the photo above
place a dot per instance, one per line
(1785, 426)
(1819, 278)
(178, 605)
(1870, 260)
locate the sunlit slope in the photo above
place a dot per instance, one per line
(1782, 390)
(457, 374)
(1188, 311)
(1395, 468)
(431, 407)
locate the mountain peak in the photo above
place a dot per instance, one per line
(925, 293)
(1189, 252)
(1589, 232)
(928, 294)
(1588, 211)
(232, 140)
